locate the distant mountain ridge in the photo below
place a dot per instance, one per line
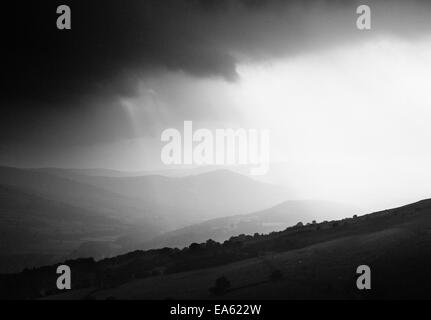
(196, 197)
(143, 208)
(183, 172)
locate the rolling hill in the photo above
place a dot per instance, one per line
(316, 261)
(142, 208)
(193, 198)
(73, 192)
(35, 231)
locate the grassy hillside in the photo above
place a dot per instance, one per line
(313, 261)
(277, 218)
(35, 231)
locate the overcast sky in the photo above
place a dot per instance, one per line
(348, 110)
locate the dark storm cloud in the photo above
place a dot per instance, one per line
(61, 85)
(112, 43)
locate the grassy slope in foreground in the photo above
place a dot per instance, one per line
(315, 261)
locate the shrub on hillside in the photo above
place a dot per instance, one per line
(222, 285)
(276, 275)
